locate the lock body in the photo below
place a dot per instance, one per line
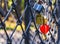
(38, 7)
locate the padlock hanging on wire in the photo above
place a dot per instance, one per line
(38, 7)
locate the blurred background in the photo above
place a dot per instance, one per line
(11, 22)
(6, 4)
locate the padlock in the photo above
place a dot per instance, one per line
(38, 7)
(39, 19)
(45, 20)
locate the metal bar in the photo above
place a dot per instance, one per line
(13, 31)
(7, 14)
(37, 31)
(28, 26)
(27, 19)
(23, 12)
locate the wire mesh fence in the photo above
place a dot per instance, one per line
(37, 14)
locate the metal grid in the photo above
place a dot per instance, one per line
(27, 35)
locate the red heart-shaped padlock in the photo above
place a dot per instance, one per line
(44, 28)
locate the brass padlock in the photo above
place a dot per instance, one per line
(39, 19)
(45, 19)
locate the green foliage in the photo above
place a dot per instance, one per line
(22, 4)
(10, 2)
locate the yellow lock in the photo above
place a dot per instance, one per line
(52, 7)
(44, 37)
(39, 19)
(45, 20)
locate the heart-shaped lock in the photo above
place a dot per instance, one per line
(44, 28)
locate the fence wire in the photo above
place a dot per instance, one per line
(28, 35)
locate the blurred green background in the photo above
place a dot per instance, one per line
(6, 4)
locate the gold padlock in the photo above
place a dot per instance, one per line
(39, 19)
(52, 7)
(44, 37)
(45, 20)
